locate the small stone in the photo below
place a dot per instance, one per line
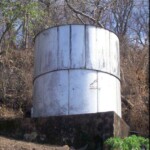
(65, 147)
(31, 136)
(42, 137)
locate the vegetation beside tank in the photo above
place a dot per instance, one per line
(131, 142)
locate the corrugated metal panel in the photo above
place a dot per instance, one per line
(56, 95)
(118, 58)
(38, 101)
(100, 46)
(91, 48)
(77, 46)
(82, 91)
(36, 57)
(52, 92)
(47, 51)
(113, 54)
(64, 47)
(104, 50)
(107, 52)
(107, 98)
(118, 91)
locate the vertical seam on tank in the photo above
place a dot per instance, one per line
(39, 71)
(57, 46)
(116, 100)
(107, 51)
(109, 55)
(70, 46)
(116, 86)
(57, 49)
(68, 91)
(97, 91)
(97, 73)
(35, 60)
(85, 45)
(118, 62)
(70, 49)
(43, 97)
(117, 96)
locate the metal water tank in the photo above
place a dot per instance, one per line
(77, 71)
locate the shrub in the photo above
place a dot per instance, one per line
(129, 143)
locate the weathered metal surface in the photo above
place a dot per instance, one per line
(118, 58)
(51, 94)
(100, 47)
(36, 57)
(107, 52)
(82, 91)
(64, 47)
(77, 46)
(76, 92)
(118, 93)
(76, 71)
(38, 101)
(47, 51)
(108, 89)
(91, 51)
(114, 54)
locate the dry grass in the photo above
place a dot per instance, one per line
(6, 112)
(10, 144)
(16, 79)
(135, 88)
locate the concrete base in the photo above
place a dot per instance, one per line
(77, 130)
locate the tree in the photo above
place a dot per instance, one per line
(18, 16)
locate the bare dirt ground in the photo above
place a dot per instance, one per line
(10, 144)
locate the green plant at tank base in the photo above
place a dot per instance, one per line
(129, 143)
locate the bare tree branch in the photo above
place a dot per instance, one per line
(127, 101)
(83, 14)
(78, 16)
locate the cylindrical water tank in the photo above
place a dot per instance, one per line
(77, 71)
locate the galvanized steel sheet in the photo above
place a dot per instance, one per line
(77, 70)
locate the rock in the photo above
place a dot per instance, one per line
(30, 136)
(65, 147)
(81, 148)
(42, 137)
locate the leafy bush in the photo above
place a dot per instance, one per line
(129, 143)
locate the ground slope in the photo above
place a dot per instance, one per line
(11, 144)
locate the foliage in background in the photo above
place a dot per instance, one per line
(129, 143)
(18, 17)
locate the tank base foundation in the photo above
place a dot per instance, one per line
(86, 130)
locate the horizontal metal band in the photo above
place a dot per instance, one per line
(74, 69)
